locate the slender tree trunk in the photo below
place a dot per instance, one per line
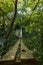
(42, 39)
(3, 24)
(11, 25)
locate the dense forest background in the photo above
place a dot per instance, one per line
(27, 14)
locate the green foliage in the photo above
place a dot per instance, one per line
(30, 17)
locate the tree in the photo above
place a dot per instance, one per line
(11, 25)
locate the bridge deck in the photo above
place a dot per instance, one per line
(10, 55)
(23, 52)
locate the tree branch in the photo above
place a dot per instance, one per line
(34, 9)
(4, 13)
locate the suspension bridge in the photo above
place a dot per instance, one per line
(18, 53)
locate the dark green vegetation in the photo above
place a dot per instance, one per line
(29, 15)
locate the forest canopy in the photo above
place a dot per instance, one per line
(27, 14)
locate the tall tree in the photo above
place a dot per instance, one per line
(11, 25)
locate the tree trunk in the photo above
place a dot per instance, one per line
(11, 25)
(3, 24)
(42, 40)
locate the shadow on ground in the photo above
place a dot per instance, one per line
(23, 62)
